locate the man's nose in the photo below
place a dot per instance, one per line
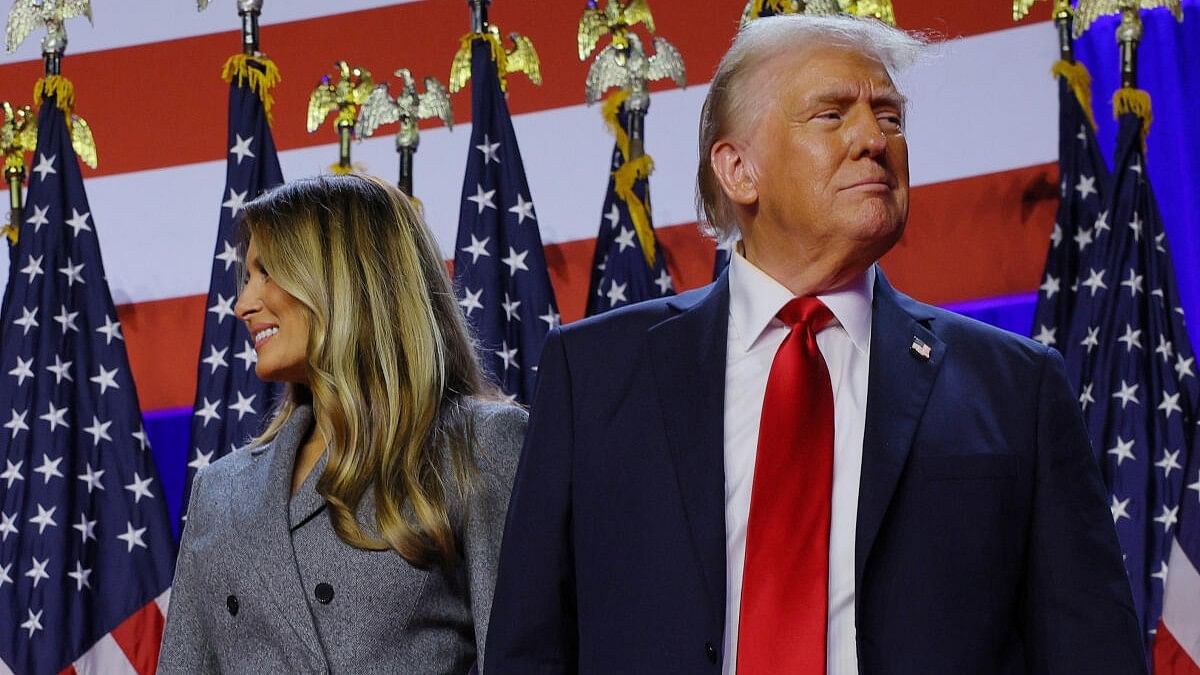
(867, 137)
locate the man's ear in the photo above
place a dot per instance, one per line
(734, 173)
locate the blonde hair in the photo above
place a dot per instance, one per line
(728, 106)
(390, 359)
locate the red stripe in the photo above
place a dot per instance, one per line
(163, 104)
(69, 670)
(970, 238)
(139, 637)
(1169, 657)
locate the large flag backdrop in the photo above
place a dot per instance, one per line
(982, 132)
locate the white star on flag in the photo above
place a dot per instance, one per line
(56, 417)
(86, 528)
(140, 437)
(44, 518)
(16, 424)
(28, 319)
(510, 308)
(61, 370)
(223, 308)
(1083, 237)
(45, 166)
(132, 537)
(236, 201)
(215, 358)
(7, 526)
(73, 273)
(1050, 286)
(99, 431)
(489, 151)
(140, 487)
(1170, 404)
(49, 468)
(248, 355)
(551, 317)
(12, 472)
(78, 221)
(1183, 367)
(202, 459)
(515, 261)
(1087, 185)
(1120, 509)
(1134, 282)
(1056, 235)
(38, 219)
(37, 571)
(67, 319)
(483, 198)
(111, 329)
(1127, 394)
(34, 623)
(1132, 338)
(1168, 517)
(106, 379)
(1169, 462)
(477, 248)
(613, 216)
(33, 267)
(209, 410)
(243, 405)
(1095, 281)
(509, 356)
(241, 148)
(91, 478)
(1123, 450)
(80, 575)
(523, 209)
(616, 293)
(625, 239)
(23, 370)
(1046, 335)
(470, 300)
(229, 256)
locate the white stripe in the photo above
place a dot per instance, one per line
(988, 104)
(125, 23)
(105, 658)
(1180, 613)
(164, 601)
(4, 669)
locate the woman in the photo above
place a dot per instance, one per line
(360, 531)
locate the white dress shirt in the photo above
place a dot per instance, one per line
(754, 337)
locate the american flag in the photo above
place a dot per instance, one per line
(621, 273)
(1138, 385)
(230, 399)
(500, 269)
(1080, 221)
(86, 552)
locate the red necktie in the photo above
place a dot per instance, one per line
(785, 583)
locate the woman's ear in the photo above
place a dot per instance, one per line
(734, 173)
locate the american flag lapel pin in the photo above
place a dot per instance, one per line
(919, 349)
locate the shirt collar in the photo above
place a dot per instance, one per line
(755, 299)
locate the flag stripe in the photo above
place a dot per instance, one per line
(170, 211)
(139, 637)
(104, 658)
(1180, 619)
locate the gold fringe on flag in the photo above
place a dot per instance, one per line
(1080, 81)
(612, 106)
(261, 81)
(58, 87)
(624, 179)
(339, 170)
(1136, 101)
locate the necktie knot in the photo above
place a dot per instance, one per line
(805, 312)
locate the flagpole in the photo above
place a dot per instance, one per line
(1129, 33)
(479, 15)
(249, 11)
(1063, 18)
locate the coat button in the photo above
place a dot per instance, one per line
(710, 652)
(324, 593)
(231, 603)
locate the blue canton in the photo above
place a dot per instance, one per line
(500, 272)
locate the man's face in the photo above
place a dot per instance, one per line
(828, 156)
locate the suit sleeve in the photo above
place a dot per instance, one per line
(185, 644)
(1078, 605)
(499, 437)
(533, 626)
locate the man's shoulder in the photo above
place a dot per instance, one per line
(634, 319)
(965, 334)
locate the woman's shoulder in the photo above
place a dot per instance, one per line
(497, 419)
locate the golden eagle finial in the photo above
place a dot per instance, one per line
(407, 108)
(629, 68)
(26, 15)
(351, 90)
(522, 58)
(616, 18)
(1087, 11)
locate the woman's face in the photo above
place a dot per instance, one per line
(278, 324)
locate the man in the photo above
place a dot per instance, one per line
(798, 469)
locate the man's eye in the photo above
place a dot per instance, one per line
(830, 115)
(891, 122)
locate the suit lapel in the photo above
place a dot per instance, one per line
(899, 382)
(263, 517)
(689, 368)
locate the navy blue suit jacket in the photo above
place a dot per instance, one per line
(984, 544)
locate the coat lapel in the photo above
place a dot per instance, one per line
(689, 368)
(263, 516)
(899, 382)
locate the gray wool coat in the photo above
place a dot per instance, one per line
(264, 585)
